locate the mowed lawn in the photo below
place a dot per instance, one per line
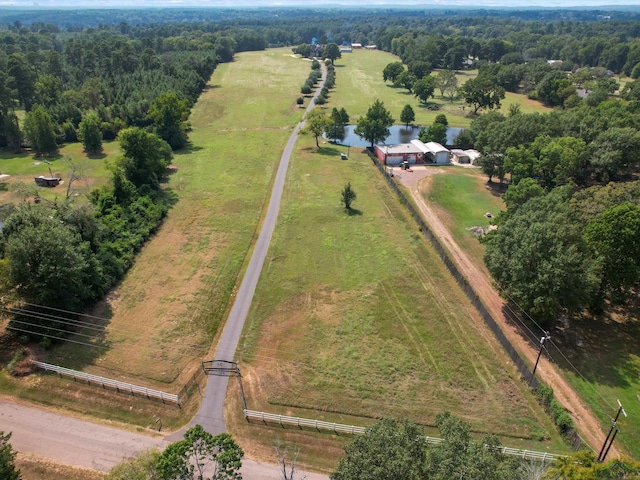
(462, 198)
(359, 82)
(165, 314)
(23, 167)
(355, 314)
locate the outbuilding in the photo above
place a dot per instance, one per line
(433, 152)
(394, 155)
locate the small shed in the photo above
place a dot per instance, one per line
(433, 152)
(345, 50)
(394, 155)
(473, 155)
(356, 45)
(43, 181)
(460, 156)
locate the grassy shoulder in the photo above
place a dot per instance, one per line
(355, 317)
(33, 467)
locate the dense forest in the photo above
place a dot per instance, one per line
(92, 86)
(568, 241)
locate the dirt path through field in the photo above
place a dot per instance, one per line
(586, 423)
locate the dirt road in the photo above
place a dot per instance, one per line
(78, 442)
(587, 424)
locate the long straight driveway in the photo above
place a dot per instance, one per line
(211, 413)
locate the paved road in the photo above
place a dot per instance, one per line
(211, 413)
(78, 442)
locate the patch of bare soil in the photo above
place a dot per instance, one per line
(418, 172)
(585, 421)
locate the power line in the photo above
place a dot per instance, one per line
(58, 338)
(53, 318)
(50, 328)
(598, 393)
(68, 311)
(50, 318)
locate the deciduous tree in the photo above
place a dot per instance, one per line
(90, 133)
(423, 88)
(316, 123)
(408, 115)
(392, 71)
(482, 92)
(146, 156)
(374, 126)
(39, 131)
(435, 133)
(169, 115)
(332, 52)
(199, 452)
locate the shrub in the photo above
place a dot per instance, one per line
(305, 90)
(321, 100)
(300, 100)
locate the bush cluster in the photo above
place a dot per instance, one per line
(558, 414)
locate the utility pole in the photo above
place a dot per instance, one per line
(610, 438)
(535, 367)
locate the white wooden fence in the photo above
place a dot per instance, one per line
(283, 420)
(107, 382)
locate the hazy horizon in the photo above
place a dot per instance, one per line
(591, 4)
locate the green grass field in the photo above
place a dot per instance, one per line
(463, 197)
(23, 167)
(355, 314)
(359, 83)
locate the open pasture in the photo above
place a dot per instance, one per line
(359, 82)
(355, 316)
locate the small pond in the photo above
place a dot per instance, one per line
(399, 134)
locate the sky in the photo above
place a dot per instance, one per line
(312, 3)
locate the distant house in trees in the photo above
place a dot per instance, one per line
(345, 49)
(356, 45)
(371, 47)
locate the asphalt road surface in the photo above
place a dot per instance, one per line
(211, 413)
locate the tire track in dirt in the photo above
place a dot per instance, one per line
(586, 422)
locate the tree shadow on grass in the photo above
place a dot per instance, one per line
(328, 151)
(601, 348)
(190, 148)
(431, 106)
(496, 189)
(96, 156)
(353, 212)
